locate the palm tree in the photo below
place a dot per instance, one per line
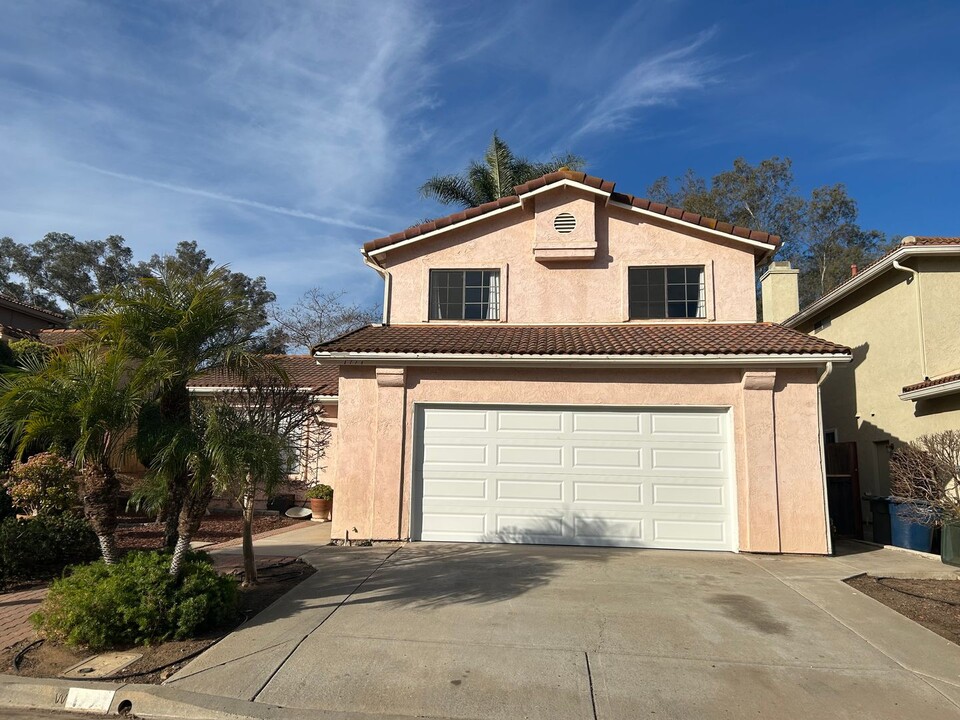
(83, 402)
(197, 321)
(494, 177)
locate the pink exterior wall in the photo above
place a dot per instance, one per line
(577, 291)
(779, 482)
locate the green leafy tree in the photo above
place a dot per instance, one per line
(493, 177)
(82, 403)
(819, 234)
(59, 272)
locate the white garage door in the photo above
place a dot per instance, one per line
(632, 477)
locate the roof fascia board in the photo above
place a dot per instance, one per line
(373, 358)
(32, 311)
(947, 388)
(683, 223)
(433, 233)
(866, 276)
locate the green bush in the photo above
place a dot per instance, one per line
(320, 492)
(136, 602)
(41, 547)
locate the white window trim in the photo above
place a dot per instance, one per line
(425, 290)
(710, 305)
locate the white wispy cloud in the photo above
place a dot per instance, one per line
(290, 212)
(653, 81)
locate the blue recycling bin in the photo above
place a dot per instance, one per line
(907, 529)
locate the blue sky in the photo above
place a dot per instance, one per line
(281, 135)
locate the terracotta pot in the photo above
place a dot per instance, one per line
(321, 509)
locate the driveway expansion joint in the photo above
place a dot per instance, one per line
(320, 624)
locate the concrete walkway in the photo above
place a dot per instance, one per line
(495, 631)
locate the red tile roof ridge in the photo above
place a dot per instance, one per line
(591, 181)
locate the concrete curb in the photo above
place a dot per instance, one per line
(149, 701)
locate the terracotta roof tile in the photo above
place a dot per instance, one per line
(626, 339)
(931, 383)
(302, 370)
(55, 337)
(606, 186)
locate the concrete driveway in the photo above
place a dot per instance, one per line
(496, 631)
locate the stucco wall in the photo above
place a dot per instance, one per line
(593, 291)
(880, 323)
(779, 484)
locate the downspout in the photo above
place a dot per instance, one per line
(923, 349)
(823, 453)
(387, 282)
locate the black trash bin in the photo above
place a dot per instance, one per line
(880, 509)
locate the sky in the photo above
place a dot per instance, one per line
(281, 135)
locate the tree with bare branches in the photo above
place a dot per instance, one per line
(257, 438)
(925, 474)
(319, 316)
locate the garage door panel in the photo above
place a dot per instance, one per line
(703, 496)
(607, 457)
(704, 427)
(633, 477)
(540, 456)
(620, 493)
(606, 423)
(530, 489)
(442, 454)
(537, 422)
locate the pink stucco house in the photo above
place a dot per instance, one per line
(574, 365)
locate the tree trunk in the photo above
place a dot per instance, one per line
(100, 490)
(175, 410)
(191, 515)
(249, 561)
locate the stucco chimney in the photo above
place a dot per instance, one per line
(853, 271)
(780, 291)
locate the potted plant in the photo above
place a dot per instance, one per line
(925, 474)
(321, 502)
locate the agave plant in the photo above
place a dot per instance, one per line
(494, 177)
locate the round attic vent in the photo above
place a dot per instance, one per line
(564, 223)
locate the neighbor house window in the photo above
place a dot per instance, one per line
(667, 292)
(464, 294)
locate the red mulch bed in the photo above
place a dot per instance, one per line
(215, 529)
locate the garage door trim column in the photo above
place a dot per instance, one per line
(758, 488)
(389, 457)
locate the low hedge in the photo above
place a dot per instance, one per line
(137, 602)
(41, 547)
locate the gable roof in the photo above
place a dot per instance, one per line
(909, 246)
(28, 309)
(302, 371)
(698, 342)
(762, 240)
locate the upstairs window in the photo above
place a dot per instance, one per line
(464, 294)
(660, 293)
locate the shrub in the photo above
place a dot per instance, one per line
(43, 485)
(41, 547)
(320, 492)
(136, 602)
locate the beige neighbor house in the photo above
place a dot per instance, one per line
(574, 365)
(901, 317)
